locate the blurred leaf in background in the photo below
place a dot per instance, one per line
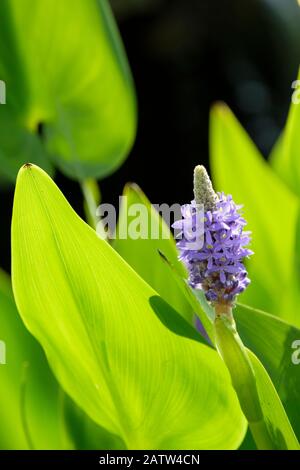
(285, 156)
(69, 91)
(270, 208)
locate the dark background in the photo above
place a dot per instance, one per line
(184, 55)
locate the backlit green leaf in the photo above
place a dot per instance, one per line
(269, 208)
(104, 332)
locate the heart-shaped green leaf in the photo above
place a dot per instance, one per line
(269, 207)
(103, 330)
(67, 79)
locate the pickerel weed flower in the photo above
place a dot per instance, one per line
(214, 250)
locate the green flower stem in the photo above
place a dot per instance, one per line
(92, 198)
(235, 356)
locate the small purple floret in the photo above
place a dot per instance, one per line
(217, 266)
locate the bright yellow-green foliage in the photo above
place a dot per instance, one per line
(103, 330)
(270, 209)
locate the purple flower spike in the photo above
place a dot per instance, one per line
(216, 264)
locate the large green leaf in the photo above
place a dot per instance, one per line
(29, 403)
(67, 78)
(269, 207)
(143, 253)
(104, 332)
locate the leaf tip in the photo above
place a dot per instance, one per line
(29, 166)
(220, 108)
(134, 187)
(26, 166)
(24, 170)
